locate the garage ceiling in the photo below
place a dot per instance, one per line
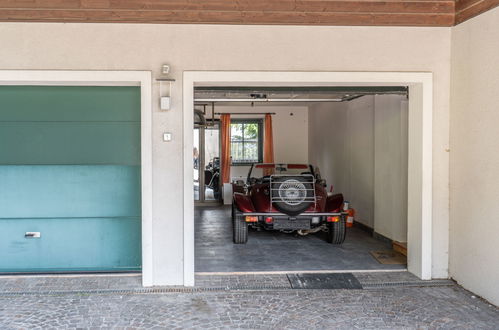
(287, 95)
(289, 12)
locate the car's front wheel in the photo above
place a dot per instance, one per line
(336, 231)
(239, 227)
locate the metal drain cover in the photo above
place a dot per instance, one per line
(324, 281)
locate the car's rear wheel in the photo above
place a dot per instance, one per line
(239, 227)
(337, 231)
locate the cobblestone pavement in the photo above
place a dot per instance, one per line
(447, 306)
(436, 307)
(243, 281)
(13, 284)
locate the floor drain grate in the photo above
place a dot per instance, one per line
(374, 285)
(301, 282)
(144, 290)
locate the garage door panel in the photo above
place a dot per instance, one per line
(69, 103)
(69, 191)
(69, 244)
(70, 143)
(70, 169)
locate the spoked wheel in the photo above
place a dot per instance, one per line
(292, 195)
(239, 227)
(337, 231)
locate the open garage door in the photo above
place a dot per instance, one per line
(338, 174)
(70, 189)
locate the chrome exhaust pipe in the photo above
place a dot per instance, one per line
(304, 232)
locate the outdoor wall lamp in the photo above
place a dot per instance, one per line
(165, 88)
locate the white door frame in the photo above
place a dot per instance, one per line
(109, 78)
(419, 147)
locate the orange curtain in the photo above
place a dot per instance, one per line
(268, 145)
(225, 157)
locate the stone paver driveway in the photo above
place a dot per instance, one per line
(392, 306)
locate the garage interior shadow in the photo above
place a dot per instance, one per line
(357, 137)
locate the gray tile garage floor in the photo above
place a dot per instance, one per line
(275, 251)
(75, 302)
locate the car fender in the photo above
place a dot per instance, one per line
(243, 203)
(334, 202)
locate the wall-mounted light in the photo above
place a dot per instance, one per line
(165, 88)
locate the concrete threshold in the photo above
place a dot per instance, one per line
(285, 272)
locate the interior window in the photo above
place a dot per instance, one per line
(246, 141)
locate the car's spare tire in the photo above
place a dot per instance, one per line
(292, 194)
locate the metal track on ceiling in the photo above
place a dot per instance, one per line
(245, 94)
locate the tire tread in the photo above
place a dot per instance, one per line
(239, 227)
(337, 231)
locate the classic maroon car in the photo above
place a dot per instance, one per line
(288, 198)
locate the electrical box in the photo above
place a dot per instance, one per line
(165, 103)
(167, 137)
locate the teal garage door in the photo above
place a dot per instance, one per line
(70, 171)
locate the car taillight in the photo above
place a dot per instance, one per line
(333, 219)
(268, 220)
(251, 219)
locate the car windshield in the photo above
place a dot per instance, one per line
(260, 170)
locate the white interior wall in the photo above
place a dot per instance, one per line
(474, 167)
(341, 145)
(361, 149)
(390, 166)
(326, 149)
(85, 46)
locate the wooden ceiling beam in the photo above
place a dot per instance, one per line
(236, 17)
(282, 12)
(390, 6)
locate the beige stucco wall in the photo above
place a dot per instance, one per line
(212, 47)
(474, 167)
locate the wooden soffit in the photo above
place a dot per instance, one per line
(282, 12)
(466, 9)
